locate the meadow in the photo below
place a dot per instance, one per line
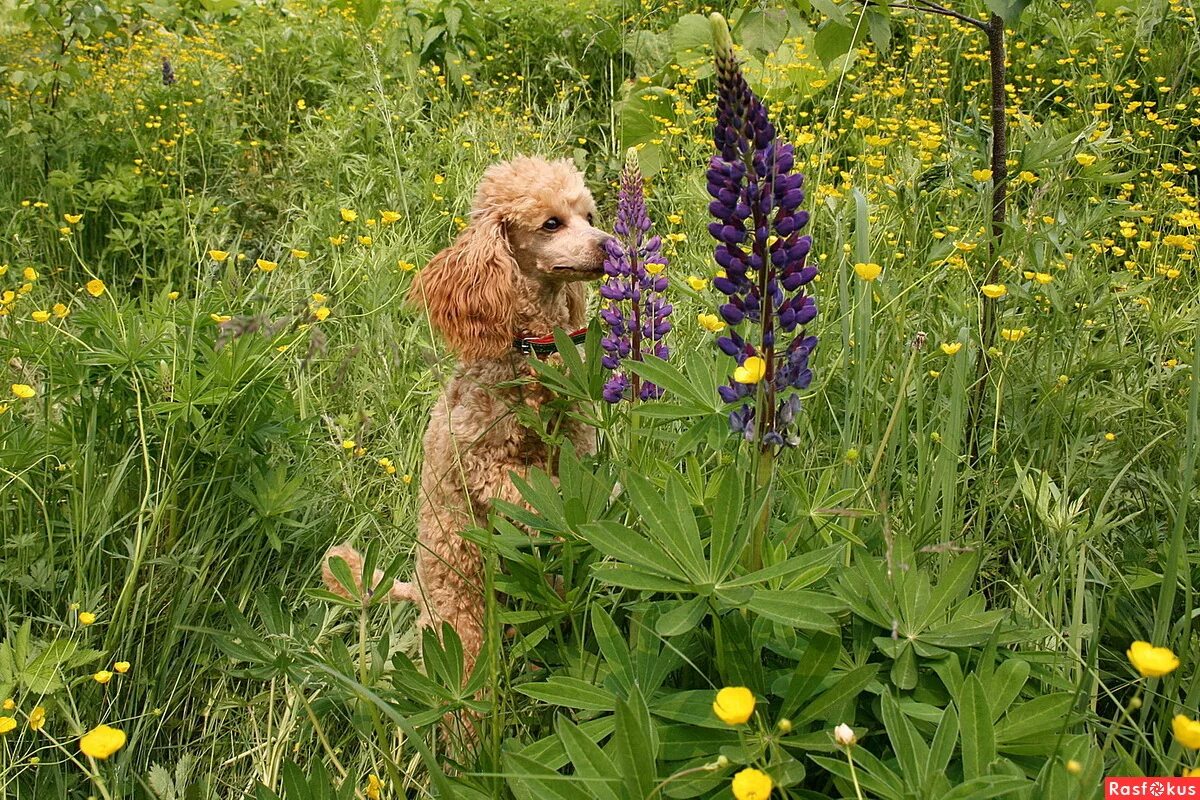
(210, 212)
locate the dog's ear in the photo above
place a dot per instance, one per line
(468, 291)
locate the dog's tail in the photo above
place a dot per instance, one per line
(400, 591)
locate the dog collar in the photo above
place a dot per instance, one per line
(545, 345)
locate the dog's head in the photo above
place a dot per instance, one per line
(531, 239)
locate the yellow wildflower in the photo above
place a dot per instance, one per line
(218, 255)
(981, 175)
(60, 310)
(348, 215)
(1151, 661)
(752, 370)
(300, 254)
(388, 217)
(30, 274)
(1187, 731)
(868, 271)
(101, 742)
(266, 266)
(710, 322)
(73, 218)
(95, 287)
(365, 240)
(337, 241)
(1085, 159)
(698, 284)
(41, 316)
(321, 314)
(405, 266)
(37, 718)
(751, 784)
(734, 704)
(374, 788)
(994, 291)
(102, 677)
(7, 724)
(1013, 334)
(23, 391)
(86, 618)
(220, 318)
(950, 348)
(121, 666)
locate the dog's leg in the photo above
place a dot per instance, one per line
(400, 591)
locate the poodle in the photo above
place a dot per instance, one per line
(514, 274)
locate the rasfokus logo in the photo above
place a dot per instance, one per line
(1151, 787)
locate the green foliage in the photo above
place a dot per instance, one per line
(203, 430)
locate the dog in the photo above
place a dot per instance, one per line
(515, 273)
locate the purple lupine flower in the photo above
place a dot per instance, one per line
(635, 310)
(756, 202)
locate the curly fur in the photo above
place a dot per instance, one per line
(506, 276)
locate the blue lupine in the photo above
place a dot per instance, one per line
(635, 311)
(756, 202)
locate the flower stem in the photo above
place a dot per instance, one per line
(853, 775)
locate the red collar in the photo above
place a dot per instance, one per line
(545, 345)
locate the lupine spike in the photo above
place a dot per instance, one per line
(756, 203)
(636, 312)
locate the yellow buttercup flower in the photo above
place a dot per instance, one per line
(348, 215)
(95, 287)
(981, 174)
(1028, 177)
(1085, 159)
(1151, 661)
(994, 291)
(321, 314)
(318, 298)
(300, 254)
(337, 241)
(752, 370)
(220, 318)
(101, 742)
(349, 444)
(102, 677)
(405, 266)
(374, 788)
(37, 719)
(365, 240)
(40, 316)
(7, 724)
(1190, 773)
(751, 784)
(60, 310)
(30, 274)
(1186, 731)
(1013, 334)
(1110, 437)
(86, 618)
(172, 295)
(869, 271)
(388, 217)
(734, 705)
(73, 218)
(655, 268)
(9, 704)
(218, 255)
(121, 666)
(697, 284)
(950, 348)
(710, 322)
(23, 391)
(266, 266)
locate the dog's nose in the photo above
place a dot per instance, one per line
(602, 240)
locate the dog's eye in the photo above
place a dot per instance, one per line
(591, 219)
(552, 224)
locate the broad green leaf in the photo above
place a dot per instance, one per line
(593, 768)
(811, 669)
(792, 608)
(569, 692)
(683, 617)
(911, 750)
(635, 745)
(1008, 10)
(942, 748)
(833, 40)
(1038, 717)
(617, 541)
(848, 687)
(978, 735)
(531, 780)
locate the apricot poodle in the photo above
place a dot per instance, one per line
(514, 274)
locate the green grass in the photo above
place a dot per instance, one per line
(171, 475)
